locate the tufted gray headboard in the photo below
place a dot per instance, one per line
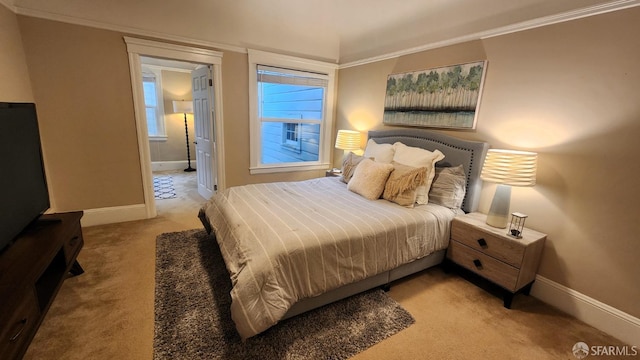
(456, 151)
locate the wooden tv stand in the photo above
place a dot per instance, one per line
(32, 270)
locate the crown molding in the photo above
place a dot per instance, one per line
(125, 29)
(522, 26)
(8, 5)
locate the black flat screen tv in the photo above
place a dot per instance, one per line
(23, 183)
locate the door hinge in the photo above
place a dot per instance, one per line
(215, 187)
(210, 82)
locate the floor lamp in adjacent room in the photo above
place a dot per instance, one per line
(184, 107)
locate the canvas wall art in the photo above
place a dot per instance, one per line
(445, 97)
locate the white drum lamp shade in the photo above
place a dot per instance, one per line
(507, 168)
(182, 107)
(348, 140)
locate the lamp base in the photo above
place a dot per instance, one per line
(189, 169)
(498, 215)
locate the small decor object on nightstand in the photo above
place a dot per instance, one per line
(333, 172)
(517, 225)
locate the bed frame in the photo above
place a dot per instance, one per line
(470, 154)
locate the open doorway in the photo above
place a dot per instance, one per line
(168, 98)
(141, 52)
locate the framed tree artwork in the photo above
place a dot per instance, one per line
(444, 97)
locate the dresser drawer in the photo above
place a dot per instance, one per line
(509, 251)
(18, 326)
(500, 273)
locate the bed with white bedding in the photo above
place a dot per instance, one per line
(293, 246)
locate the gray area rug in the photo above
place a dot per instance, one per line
(193, 320)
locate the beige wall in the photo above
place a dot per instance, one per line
(176, 85)
(15, 85)
(235, 82)
(569, 92)
(83, 95)
(82, 88)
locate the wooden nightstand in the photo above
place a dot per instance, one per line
(489, 252)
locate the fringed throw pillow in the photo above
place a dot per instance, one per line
(402, 184)
(418, 157)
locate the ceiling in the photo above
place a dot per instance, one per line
(343, 31)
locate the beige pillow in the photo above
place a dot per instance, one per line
(449, 187)
(349, 164)
(417, 157)
(369, 178)
(379, 152)
(402, 184)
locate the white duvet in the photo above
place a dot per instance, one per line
(283, 242)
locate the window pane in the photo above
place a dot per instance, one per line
(289, 142)
(152, 124)
(285, 101)
(149, 89)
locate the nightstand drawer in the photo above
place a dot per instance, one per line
(483, 265)
(509, 251)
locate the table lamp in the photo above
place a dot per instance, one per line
(348, 140)
(507, 168)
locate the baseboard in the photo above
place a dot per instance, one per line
(591, 311)
(114, 214)
(170, 165)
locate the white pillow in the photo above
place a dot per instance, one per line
(417, 157)
(369, 178)
(380, 152)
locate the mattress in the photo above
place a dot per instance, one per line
(287, 241)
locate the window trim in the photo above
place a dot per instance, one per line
(160, 116)
(256, 58)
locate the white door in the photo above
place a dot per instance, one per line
(203, 122)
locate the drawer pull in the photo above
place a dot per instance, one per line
(23, 325)
(482, 243)
(477, 263)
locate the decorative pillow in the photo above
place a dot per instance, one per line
(369, 178)
(417, 157)
(349, 164)
(380, 152)
(402, 184)
(448, 187)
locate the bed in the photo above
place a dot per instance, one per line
(294, 246)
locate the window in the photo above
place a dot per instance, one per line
(291, 113)
(290, 137)
(152, 88)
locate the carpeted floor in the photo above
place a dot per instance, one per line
(193, 321)
(108, 312)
